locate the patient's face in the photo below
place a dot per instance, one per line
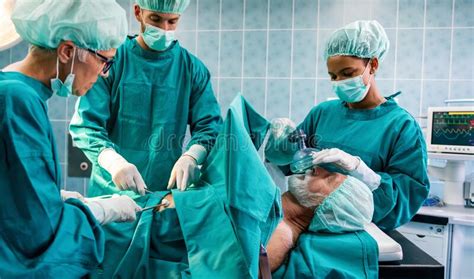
(312, 188)
(322, 181)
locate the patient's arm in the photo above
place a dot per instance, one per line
(295, 221)
(297, 218)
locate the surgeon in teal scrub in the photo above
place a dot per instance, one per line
(45, 232)
(363, 134)
(133, 126)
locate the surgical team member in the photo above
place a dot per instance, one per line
(73, 42)
(364, 134)
(133, 125)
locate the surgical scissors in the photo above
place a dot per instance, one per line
(164, 202)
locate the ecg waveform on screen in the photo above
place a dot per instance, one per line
(453, 128)
(460, 132)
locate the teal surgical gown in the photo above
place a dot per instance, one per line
(389, 140)
(142, 110)
(40, 235)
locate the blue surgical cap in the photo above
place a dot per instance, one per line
(164, 6)
(363, 39)
(94, 24)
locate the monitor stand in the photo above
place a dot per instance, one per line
(453, 173)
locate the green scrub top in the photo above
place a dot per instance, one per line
(389, 140)
(142, 110)
(40, 235)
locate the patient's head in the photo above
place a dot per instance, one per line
(311, 188)
(341, 203)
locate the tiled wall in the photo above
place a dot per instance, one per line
(270, 50)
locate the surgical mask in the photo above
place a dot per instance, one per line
(63, 89)
(352, 90)
(157, 38)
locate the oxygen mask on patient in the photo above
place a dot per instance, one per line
(303, 158)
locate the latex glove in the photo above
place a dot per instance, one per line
(186, 170)
(124, 175)
(71, 195)
(337, 157)
(114, 209)
(279, 150)
(352, 164)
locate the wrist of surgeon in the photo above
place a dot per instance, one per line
(317, 193)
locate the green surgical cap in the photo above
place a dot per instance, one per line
(94, 24)
(164, 6)
(363, 38)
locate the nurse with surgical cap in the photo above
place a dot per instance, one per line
(363, 134)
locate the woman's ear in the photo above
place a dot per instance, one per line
(374, 65)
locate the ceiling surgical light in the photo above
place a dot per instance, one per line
(8, 35)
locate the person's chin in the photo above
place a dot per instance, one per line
(79, 92)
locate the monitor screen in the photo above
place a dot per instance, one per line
(453, 128)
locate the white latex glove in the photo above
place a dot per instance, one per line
(352, 164)
(71, 195)
(124, 175)
(114, 209)
(337, 157)
(186, 170)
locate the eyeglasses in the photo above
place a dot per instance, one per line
(108, 61)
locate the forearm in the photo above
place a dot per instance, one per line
(92, 141)
(295, 221)
(393, 190)
(283, 239)
(280, 244)
(205, 114)
(88, 124)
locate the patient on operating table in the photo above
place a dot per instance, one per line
(321, 201)
(330, 202)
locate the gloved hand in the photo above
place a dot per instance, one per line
(352, 164)
(337, 157)
(124, 175)
(185, 170)
(114, 209)
(279, 150)
(71, 195)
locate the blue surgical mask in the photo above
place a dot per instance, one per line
(157, 38)
(352, 90)
(63, 89)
